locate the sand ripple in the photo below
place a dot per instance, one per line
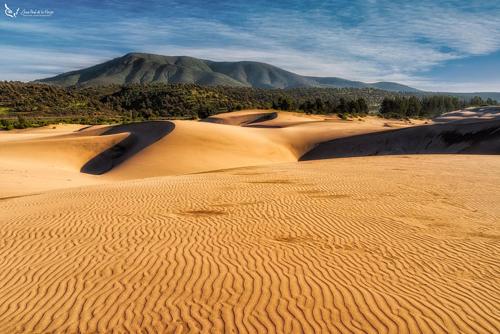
(345, 246)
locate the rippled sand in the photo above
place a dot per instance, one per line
(385, 244)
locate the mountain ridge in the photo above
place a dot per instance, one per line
(144, 68)
(136, 67)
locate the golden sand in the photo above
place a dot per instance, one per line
(386, 244)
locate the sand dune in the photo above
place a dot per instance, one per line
(114, 229)
(39, 133)
(470, 115)
(198, 146)
(67, 156)
(139, 136)
(480, 137)
(194, 147)
(344, 245)
(45, 159)
(264, 118)
(49, 162)
(242, 117)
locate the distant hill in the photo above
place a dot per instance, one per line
(149, 68)
(334, 82)
(143, 68)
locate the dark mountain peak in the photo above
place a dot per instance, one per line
(138, 67)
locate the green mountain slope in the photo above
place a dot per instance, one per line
(143, 68)
(149, 68)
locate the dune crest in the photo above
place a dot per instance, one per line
(99, 154)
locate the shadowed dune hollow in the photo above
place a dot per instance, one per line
(459, 138)
(141, 135)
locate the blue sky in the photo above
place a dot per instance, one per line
(448, 45)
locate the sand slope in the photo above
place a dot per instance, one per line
(241, 118)
(389, 244)
(263, 118)
(74, 156)
(402, 244)
(43, 159)
(194, 147)
(470, 115)
(39, 163)
(199, 146)
(479, 137)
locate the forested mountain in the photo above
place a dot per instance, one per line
(143, 68)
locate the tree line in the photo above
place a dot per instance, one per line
(29, 104)
(427, 106)
(340, 106)
(153, 101)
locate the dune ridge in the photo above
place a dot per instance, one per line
(321, 246)
(100, 154)
(96, 154)
(480, 137)
(47, 161)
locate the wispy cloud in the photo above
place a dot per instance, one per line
(24, 63)
(364, 40)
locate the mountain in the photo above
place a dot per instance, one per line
(344, 83)
(149, 68)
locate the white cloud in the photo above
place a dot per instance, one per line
(388, 41)
(25, 63)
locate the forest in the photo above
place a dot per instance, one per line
(33, 104)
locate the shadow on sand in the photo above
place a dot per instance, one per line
(242, 120)
(141, 136)
(453, 138)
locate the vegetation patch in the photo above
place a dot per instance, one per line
(426, 106)
(35, 104)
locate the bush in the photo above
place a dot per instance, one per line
(21, 123)
(6, 124)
